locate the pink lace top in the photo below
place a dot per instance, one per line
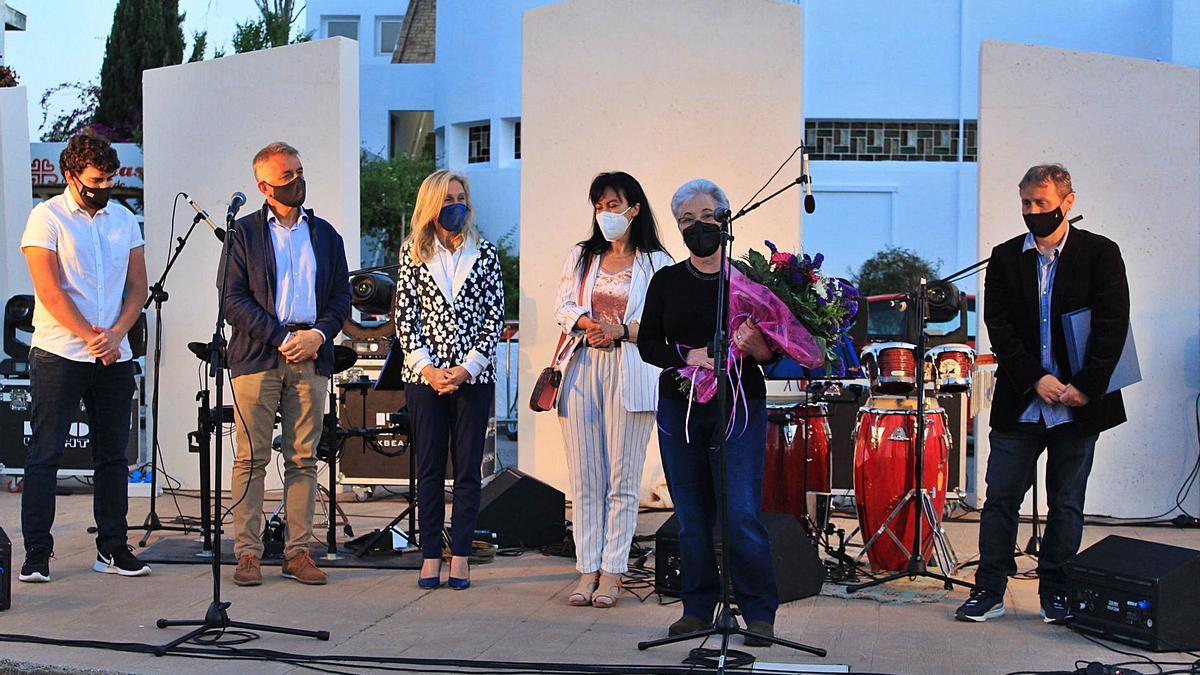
(610, 295)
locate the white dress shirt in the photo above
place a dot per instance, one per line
(295, 270)
(93, 262)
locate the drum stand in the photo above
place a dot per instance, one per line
(726, 623)
(924, 501)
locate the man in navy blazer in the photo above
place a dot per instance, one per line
(287, 292)
(1039, 404)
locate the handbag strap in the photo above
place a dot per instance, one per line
(578, 300)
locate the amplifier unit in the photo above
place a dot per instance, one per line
(16, 403)
(1137, 592)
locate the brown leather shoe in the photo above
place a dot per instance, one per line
(248, 572)
(302, 568)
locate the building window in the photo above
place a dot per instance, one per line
(479, 144)
(517, 140)
(387, 34)
(341, 26)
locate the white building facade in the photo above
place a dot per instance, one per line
(891, 102)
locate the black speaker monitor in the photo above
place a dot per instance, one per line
(522, 510)
(799, 572)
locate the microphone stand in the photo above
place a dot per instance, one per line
(726, 623)
(216, 619)
(158, 295)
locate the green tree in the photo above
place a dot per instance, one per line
(510, 271)
(199, 44)
(273, 27)
(388, 194)
(893, 270)
(145, 34)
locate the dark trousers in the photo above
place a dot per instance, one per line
(692, 466)
(1011, 470)
(57, 386)
(455, 423)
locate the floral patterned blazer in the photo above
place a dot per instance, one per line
(454, 326)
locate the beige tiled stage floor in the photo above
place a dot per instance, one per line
(515, 611)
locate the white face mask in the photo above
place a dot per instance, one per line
(613, 225)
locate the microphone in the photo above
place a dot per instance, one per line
(810, 204)
(722, 215)
(236, 202)
(219, 231)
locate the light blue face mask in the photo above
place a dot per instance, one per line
(452, 217)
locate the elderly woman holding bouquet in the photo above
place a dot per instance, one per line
(678, 323)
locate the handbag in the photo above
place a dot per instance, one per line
(545, 390)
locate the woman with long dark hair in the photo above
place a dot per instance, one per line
(608, 394)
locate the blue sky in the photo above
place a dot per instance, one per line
(64, 41)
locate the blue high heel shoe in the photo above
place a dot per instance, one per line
(460, 583)
(430, 583)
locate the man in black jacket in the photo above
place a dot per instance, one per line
(1039, 404)
(287, 293)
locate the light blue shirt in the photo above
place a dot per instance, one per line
(295, 271)
(1052, 415)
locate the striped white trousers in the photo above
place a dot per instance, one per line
(606, 449)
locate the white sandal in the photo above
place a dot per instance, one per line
(608, 590)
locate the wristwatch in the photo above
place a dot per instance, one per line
(625, 333)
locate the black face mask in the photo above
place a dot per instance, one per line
(1044, 224)
(702, 239)
(290, 194)
(94, 198)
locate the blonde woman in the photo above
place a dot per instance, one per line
(449, 310)
(608, 396)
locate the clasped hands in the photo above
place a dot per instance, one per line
(105, 345)
(445, 380)
(302, 345)
(599, 334)
(1051, 390)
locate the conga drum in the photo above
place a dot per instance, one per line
(796, 457)
(948, 367)
(884, 468)
(891, 367)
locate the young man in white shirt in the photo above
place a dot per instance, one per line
(86, 257)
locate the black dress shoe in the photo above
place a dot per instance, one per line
(688, 624)
(762, 628)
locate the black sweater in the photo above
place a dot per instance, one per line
(681, 309)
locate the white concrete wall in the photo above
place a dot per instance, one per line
(203, 123)
(648, 88)
(1129, 132)
(15, 195)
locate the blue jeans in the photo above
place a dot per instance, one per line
(444, 425)
(57, 385)
(1011, 470)
(693, 475)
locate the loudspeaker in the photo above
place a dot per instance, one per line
(1137, 592)
(522, 511)
(799, 572)
(5, 571)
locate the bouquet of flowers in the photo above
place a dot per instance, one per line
(801, 312)
(826, 305)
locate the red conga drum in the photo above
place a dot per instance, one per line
(797, 438)
(884, 468)
(891, 367)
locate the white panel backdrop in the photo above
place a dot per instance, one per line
(668, 91)
(203, 123)
(15, 194)
(1129, 132)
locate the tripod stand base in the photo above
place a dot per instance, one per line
(916, 568)
(217, 618)
(725, 626)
